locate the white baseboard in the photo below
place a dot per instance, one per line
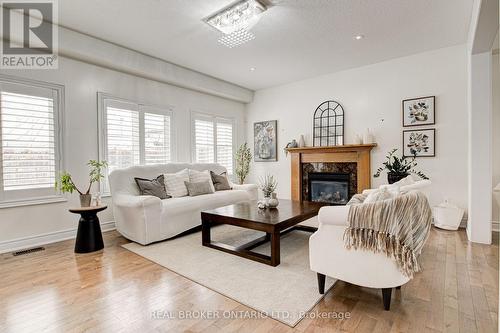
(495, 225)
(48, 238)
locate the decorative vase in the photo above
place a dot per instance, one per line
(358, 139)
(302, 141)
(273, 202)
(85, 200)
(368, 137)
(393, 177)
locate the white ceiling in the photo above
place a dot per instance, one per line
(295, 39)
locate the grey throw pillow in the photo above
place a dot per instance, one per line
(198, 188)
(220, 181)
(154, 187)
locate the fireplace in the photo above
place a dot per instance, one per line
(332, 188)
(353, 160)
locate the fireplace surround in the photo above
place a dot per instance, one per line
(348, 159)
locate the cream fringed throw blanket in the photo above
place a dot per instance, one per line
(397, 227)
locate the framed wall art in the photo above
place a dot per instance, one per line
(419, 111)
(419, 143)
(265, 141)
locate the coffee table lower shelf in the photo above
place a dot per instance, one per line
(245, 250)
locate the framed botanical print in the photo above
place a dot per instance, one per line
(265, 142)
(419, 111)
(419, 143)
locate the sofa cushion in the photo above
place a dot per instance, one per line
(154, 187)
(174, 183)
(221, 183)
(199, 188)
(176, 206)
(196, 176)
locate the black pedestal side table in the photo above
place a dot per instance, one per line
(88, 237)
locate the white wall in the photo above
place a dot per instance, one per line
(82, 81)
(480, 147)
(371, 97)
(496, 131)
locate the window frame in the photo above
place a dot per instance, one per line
(141, 108)
(214, 118)
(36, 196)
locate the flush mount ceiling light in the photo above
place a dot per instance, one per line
(359, 37)
(236, 38)
(235, 21)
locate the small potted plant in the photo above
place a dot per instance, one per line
(243, 158)
(66, 185)
(268, 185)
(398, 167)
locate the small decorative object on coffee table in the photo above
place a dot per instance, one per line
(66, 185)
(268, 185)
(273, 201)
(274, 222)
(398, 167)
(88, 237)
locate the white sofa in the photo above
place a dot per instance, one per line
(329, 257)
(146, 219)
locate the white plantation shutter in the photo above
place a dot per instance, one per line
(156, 138)
(29, 141)
(28, 147)
(122, 137)
(213, 140)
(225, 145)
(133, 134)
(204, 141)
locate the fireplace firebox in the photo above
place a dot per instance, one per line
(332, 188)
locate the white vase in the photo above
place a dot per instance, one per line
(368, 137)
(358, 139)
(273, 201)
(302, 141)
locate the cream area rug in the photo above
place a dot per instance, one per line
(285, 292)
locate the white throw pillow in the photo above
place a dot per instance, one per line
(408, 180)
(201, 176)
(174, 183)
(394, 189)
(383, 193)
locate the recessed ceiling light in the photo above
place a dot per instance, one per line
(252, 69)
(359, 37)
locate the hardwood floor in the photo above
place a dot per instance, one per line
(116, 290)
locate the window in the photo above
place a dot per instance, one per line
(30, 140)
(213, 140)
(122, 137)
(133, 134)
(156, 138)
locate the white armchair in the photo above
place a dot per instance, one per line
(329, 257)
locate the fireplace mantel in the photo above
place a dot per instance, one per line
(359, 154)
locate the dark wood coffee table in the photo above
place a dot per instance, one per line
(274, 222)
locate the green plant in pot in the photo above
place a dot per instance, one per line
(65, 183)
(243, 158)
(398, 167)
